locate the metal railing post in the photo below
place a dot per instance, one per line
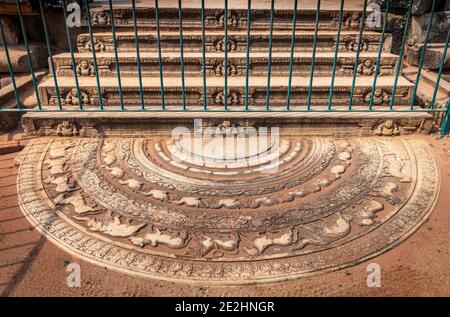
(138, 54)
(50, 55)
(72, 57)
(422, 55)
(180, 28)
(27, 48)
(355, 68)
(380, 50)
(291, 57)
(269, 65)
(441, 69)
(116, 56)
(446, 122)
(247, 51)
(205, 101)
(336, 50)
(11, 71)
(313, 62)
(94, 55)
(160, 63)
(400, 59)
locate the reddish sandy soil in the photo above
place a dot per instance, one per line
(32, 266)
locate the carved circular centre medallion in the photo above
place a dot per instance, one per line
(226, 211)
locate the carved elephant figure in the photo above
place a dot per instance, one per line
(190, 202)
(158, 194)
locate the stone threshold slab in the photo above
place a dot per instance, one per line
(215, 65)
(91, 113)
(175, 82)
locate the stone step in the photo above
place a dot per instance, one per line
(427, 84)
(433, 56)
(215, 92)
(236, 17)
(19, 58)
(215, 64)
(237, 41)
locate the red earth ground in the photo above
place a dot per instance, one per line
(32, 266)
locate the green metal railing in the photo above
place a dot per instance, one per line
(93, 47)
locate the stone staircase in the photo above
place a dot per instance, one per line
(236, 70)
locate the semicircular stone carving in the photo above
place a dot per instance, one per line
(276, 211)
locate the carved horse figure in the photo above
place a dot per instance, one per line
(157, 237)
(266, 240)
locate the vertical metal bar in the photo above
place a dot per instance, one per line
(138, 54)
(269, 65)
(180, 28)
(50, 55)
(30, 63)
(225, 24)
(380, 49)
(441, 68)
(355, 68)
(311, 76)
(116, 56)
(422, 55)
(291, 60)
(11, 72)
(94, 55)
(247, 49)
(158, 44)
(336, 49)
(446, 122)
(400, 60)
(72, 57)
(205, 106)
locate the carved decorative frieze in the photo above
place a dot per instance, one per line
(100, 18)
(219, 44)
(352, 43)
(85, 45)
(233, 19)
(84, 68)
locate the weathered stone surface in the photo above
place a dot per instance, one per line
(19, 59)
(10, 29)
(427, 86)
(9, 121)
(121, 203)
(439, 27)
